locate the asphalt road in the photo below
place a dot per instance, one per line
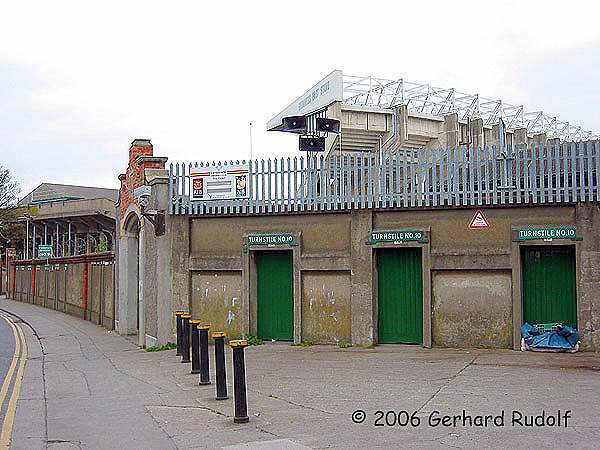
(7, 350)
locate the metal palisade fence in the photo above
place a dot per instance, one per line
(424, 178)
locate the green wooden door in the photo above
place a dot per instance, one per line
(400, 296)
(549, 293)
(275, 295)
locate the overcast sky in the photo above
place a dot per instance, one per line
(78, 83)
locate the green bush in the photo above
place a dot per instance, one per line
(167, 346)
(303, 344)
(253, 340)
(345, 344)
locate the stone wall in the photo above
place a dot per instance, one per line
(471, 278)
(472, 308)
(217, 299)
(62, 285)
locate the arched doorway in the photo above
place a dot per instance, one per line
(131, 310)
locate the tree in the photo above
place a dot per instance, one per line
(10, 228)
(9, 189)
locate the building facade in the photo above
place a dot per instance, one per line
(448, 251)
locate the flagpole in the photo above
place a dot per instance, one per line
(250, 127)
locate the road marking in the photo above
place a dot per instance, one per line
(5, 435)
(13, 364)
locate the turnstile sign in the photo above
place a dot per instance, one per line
(526, 234)
(271, 239)
(44, 251)
(396, 237)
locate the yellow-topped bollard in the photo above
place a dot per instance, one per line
(195, 345)
(239, 381)
(179, 340)
(204, 362)
(185, 334)
(220, 371)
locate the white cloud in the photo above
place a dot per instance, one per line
(191, 75)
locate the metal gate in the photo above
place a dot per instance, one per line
(400, 296)
(275, 295)
(549, 292)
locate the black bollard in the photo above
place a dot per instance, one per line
(178, 315)
(185, 338)
(239, 381)
(195, 345)
(204, 362)
(221, 374)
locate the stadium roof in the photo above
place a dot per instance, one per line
(368, 92)
(50, 192)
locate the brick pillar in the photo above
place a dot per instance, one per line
(134, 176)
(137, 248)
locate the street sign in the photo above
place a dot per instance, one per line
(479, 222)
(44, 251)
(219, 182)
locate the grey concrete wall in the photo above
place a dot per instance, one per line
(322, 234)
(361, 297)
(472, 308)
(588, 311)
(109, 283)
(59, 286)
(95, 292)
(216, 249)
(451, 130)
(217, 299)
(150, 281)
(452, 238)
(477, 133)
(471, 277)
(128, 284)
(164, 266)
(178, 231)
(520, 136)
(326, 307)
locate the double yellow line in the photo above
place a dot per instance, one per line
(19, 358)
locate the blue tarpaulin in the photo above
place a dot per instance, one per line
(564, 338)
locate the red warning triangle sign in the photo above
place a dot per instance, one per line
(479, 221)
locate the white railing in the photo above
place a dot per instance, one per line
(439, 178)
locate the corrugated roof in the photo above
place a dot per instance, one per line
(51, 192)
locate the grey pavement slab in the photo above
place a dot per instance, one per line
(98, 390)
(276, 444)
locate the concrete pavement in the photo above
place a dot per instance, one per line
(85, 387)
